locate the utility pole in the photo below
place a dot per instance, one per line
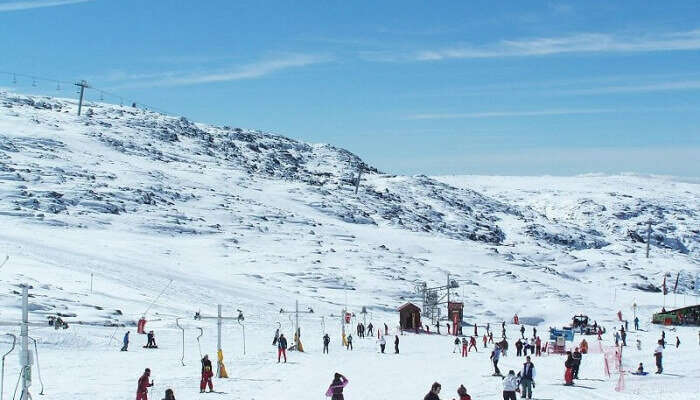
(26, 357)
(219, 321)
(82, 85)
(296, 312)
(648, 236)
(448, 289)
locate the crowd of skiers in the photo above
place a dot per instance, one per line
(523, 381)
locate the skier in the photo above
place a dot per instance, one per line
(326, 341)
(454, 350)
(485, 340)
(151, 344)
(433, 393)
(464, 347)
(370, 329)
(510, 385)
(125, 347)
(658, 354)
(472, 343)
(527, 378)
(636, 323)
(640, 370)
(282, 348)
(490, 337)
(518, 348)
(617, 338)
(623, 336)
(663, 339)
(382, 344)
(678, 342)
(462, 393)
(207, 374)
(335, 390)
(143, 385)
(577, 362)
(569, 374)
(396, 345)
(349, 342)
(534, 332)
(169, 395)
(522, 331)
(495, 355)
(538, 346)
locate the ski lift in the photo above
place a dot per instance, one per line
(14, 79)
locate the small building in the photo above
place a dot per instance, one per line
(681, 316)
(409, 317)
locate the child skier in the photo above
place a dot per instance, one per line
(282, 348)
(462, 393)
(569, 373)
(207, 374)
(454, 350)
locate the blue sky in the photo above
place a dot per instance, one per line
(464, 87)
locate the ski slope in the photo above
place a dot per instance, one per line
(256, 221)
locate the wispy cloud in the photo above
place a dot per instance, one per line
(500, 114)
(26, 5)
(579, 43)
(651, 87)
(240, 72)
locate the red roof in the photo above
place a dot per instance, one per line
(409, 305)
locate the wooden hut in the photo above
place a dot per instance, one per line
(409, 316)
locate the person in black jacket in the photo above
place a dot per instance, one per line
(396, 344)
(433, 393)
(282, 348)
(576, 357)
(207, 374)
(326, 341)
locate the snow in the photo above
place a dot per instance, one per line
(255, 221)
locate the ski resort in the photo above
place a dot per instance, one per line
(364, 211)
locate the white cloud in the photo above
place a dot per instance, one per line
(498, 114)
(579, 43)
(26, 5)
(651, 87)
(245, 71)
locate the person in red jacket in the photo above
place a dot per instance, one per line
(472, 343)
(144, 384)
(207, 374)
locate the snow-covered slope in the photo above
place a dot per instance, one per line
(255, 221)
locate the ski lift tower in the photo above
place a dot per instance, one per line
(219, 321)
(434, 296)
(26, 357)
(296, 313)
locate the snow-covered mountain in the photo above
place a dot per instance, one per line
(256, 221)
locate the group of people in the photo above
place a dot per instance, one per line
(150, 341)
